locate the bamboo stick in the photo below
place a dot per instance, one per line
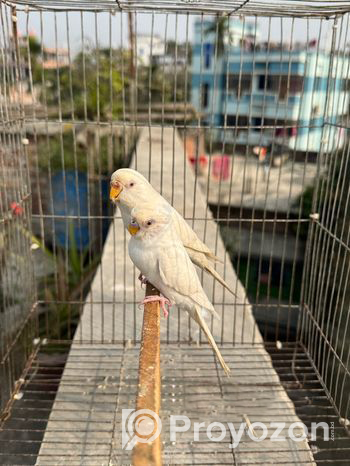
(148, 397)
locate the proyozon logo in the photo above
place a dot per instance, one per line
(145, 426)
(141, 426)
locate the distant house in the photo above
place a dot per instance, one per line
(152, 50)
(50, 58)
(55, 58)
(254, 84)
(148, 47)
(169, 61)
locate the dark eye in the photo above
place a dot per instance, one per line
(149, 222)
(131, 184)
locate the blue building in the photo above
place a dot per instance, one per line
(268, 92)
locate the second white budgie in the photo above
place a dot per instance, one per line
(159, 254)
(130, 189)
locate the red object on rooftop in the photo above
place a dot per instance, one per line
(202, 160)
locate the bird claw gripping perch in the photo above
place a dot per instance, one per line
(143, 280)
(162, 301)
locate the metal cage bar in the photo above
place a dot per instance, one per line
(188, 93)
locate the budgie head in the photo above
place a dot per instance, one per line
(130, 188)
(147, 223)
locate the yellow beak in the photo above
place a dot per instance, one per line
(133, 229)
(114, 192)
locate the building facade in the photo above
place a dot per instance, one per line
(263, 93)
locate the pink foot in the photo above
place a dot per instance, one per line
(143, 280)
(162, 300)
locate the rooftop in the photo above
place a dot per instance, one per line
(252, 187)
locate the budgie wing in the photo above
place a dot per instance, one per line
(177, 272)
(190, 239)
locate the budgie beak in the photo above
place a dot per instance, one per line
(116, 189)
(133, 228)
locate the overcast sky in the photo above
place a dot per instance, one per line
(302, 29)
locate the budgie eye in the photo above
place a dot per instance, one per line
(149, 223)
(131, 184)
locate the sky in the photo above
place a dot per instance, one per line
(114, 28)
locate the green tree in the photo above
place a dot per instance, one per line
(34, 46)
(96, 86)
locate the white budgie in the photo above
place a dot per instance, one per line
(130, 189)
(158, 253)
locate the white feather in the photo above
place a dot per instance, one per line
(158, 253)
(142, 193)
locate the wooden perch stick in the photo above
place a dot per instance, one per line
(148, 396)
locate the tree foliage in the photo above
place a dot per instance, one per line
(92, 83)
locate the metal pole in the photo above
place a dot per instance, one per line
(132, 70)
(148, 396)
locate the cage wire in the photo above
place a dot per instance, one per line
(238, 113)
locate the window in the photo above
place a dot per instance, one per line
(232, 120)
(239, 84)
(208, 51)
(280, 84)
(205, 95)
(257, 121)
(285, 129)
(345, 85)
(261, 82)
(296, 84)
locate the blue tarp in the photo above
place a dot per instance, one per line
(73, 202)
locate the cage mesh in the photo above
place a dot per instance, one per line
(188, 93)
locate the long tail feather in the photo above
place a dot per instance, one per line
(208, 254)
(215, 274)
(211, 340)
